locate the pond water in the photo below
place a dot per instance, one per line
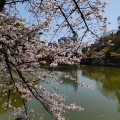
(100, 103)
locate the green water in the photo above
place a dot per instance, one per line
(100, 103)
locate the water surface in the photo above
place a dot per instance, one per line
(100, 103)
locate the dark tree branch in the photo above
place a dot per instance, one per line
(2, 3)
(12, 80)
(66, 19)
(82, 16)
(17, 1)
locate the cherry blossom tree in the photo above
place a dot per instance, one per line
(21, 52)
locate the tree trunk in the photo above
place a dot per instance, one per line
(2, 3)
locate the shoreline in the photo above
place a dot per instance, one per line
(104, 65)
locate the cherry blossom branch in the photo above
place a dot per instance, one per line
(66, 19)
(10, 72)
(17, 1)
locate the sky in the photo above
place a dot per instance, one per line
(111, 12)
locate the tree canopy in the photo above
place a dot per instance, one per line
(21, 52)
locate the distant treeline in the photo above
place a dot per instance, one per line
(105, 51)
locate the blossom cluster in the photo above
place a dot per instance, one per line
(21, 52)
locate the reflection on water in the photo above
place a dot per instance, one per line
(72, 70)
(15, 100)
(107, 80)
(101, 103)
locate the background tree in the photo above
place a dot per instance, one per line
(118, 19)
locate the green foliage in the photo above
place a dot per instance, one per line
(89, 53)
(85, 50)
(109, 45)
(19, 24)
(105, 49)
(98, 62)
(118, 50)
(114, 54)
